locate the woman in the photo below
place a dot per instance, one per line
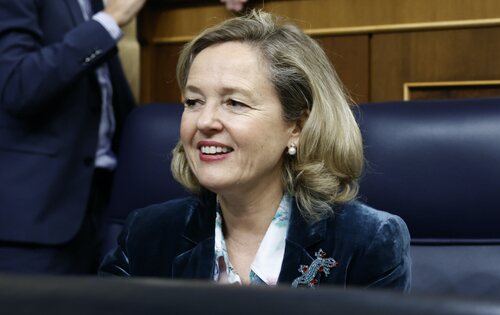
(271, 148)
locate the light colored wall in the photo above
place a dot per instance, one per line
(130, 56)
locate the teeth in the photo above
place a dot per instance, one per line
(214, 149)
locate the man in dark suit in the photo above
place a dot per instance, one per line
(63, 98)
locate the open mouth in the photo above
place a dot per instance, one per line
(214, 150)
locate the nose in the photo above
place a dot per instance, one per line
(209, 120)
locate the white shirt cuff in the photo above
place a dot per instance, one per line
(109, 24)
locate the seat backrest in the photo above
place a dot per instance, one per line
(437, 165)
(57, 295)
(143, 175)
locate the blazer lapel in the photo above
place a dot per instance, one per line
(196, 260)
(302, 236)
(196, 263)
(75, 11)
(295, 255)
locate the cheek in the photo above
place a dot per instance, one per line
(186, 130)
(186, 136)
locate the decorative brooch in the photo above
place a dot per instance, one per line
(311, 274)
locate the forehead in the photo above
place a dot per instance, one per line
(228, 62)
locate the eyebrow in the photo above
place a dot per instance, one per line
(228, 90)
(224, 90)
(192, 88)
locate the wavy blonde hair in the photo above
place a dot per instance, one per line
(329, 156)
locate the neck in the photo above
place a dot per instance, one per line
(249, 214)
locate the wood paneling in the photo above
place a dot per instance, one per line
(453, 55)
(453, 92)
(158, 73)
(129, 50)
(182, 22)
(350, 57)
(451, 89)
(345, 13)
(166, 24)
(375, 45)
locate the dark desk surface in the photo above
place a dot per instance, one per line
(89, 295)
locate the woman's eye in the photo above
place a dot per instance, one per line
(235, 104)
(191, 102)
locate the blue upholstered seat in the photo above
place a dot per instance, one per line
(437, 165)
(143, 174)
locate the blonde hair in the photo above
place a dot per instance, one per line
(329, 156)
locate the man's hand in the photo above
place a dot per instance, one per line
(234, 5)
(123, 10)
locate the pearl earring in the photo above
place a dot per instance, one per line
(292, 149)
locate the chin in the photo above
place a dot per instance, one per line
(214, 186)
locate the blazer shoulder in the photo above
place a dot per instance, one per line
(173, 212)
(379, 243)
(367, 223)
(150, 238)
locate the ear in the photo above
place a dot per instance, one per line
(298, 125)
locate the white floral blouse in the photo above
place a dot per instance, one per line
(266, 265)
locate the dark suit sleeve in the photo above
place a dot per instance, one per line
(388, 256)
(31, 71)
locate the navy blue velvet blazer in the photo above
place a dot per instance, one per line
(175, 239)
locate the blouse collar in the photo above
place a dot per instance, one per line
(267, 263)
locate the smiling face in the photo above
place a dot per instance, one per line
(232, 128)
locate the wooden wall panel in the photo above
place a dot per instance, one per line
(348, 54)
(158, 73)
(181, 22)
(129, 50)
(454, 92)
(350, 58)
(453, 55)
(375, 45)
(346, 13)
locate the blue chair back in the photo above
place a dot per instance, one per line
(143, 175)
(437, 165)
